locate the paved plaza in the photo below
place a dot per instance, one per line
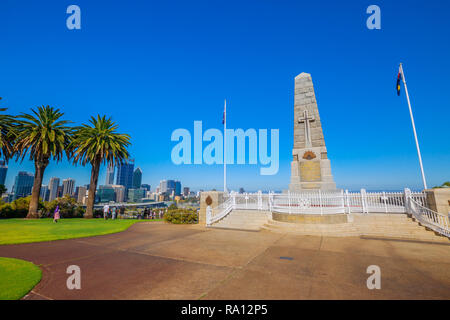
(161, 261)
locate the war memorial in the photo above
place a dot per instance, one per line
(314, 206)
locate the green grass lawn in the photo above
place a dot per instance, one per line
(17, 278)
(14, 231)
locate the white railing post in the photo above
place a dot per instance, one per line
(407, 195)
(385, 202)
(347, 200)
(364, 200)
(208, 215)
(343, 200)
(259, 200)
(233, 199)
(270, 201)
(320, 201)
(289, 201)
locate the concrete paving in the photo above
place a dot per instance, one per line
(161, 261)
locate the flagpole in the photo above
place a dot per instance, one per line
(414, 128)
(225, 147)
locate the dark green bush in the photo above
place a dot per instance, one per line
(17, 209)
(181, 216)
(68, 208)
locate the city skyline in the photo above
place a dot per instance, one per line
(169, 84)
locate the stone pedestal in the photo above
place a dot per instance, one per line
(216, 198)
(310, 168)
(438, 200)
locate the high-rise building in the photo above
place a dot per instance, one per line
(186, 191)
(136, 195)
(53, 188)
(68, 186)
(81, 194)
(137, 178)
(3, 171)
(23, 184)
(145, 186)
(59, 193)
(177, 188)
(106, 194)
(119, 192)
(44, 193)
(125, 174)
(163, 186)
(110, 172)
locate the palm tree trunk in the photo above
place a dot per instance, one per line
(39, 166)
(92, 188)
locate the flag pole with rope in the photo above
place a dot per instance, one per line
(402, 75)
(225, 147)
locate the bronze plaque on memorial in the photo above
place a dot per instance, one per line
(310, 171)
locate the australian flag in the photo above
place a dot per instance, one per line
(399, 78)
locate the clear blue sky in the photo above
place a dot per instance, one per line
(156, 66)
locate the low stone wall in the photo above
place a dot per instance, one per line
(310, 218)
(438, 199)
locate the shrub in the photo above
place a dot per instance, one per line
(181, 216)
(68, 208)
(17, 209)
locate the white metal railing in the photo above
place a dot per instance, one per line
(436, 221)
(334, 202)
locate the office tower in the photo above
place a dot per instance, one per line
(163, 186)
(125, 174)
(241, 190)
(170, 187)
(177, 188)
(44, 193)
(23, 184)
(53, 188)
(110, 172)
(106, 194)
(59, 193)
(3, 171)
(136, 195)
(68, 186)
(146, 187)
(186, 191)
(119, 192)
(137, 178)
(81, 194)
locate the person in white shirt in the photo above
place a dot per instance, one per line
(105, 211)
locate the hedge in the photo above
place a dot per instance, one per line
(181, 216)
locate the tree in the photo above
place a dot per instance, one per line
(2, 189)
(43, 136)
(7, 134)
(97, 143)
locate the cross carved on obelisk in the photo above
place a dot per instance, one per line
(307, 120)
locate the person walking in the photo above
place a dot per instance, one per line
(105, 211)
(56, 214)
(113, 213)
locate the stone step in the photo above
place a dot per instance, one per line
(412, 232)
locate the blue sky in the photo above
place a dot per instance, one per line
(158, 66)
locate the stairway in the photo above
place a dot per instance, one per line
(249, 220)
(395, 226)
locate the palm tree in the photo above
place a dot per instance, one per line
(7, 134)
(97, 143)
(44, 136)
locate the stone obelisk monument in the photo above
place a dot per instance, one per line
(310, 168)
